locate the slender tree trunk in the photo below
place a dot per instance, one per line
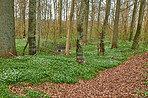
(60, 18)
(32, 27)
(54, 22)
(139, 27)
(20, 22)
(23, 12)
(46, 21)
(145, 31)
(86, 22)
(42, 22)
(69, 28)
(39, 23)
(115, 33)
(79, 46)
(67, 13)
(133, 20)
(99, 13)
(102, 35)
(50, 11)
(16, 11)
(7, 29)
(92, 18)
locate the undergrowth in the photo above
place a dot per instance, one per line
(60, 69)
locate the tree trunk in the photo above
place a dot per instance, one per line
(60, 18)
(133, 20)
(54, 23)
(115, 33)
(102, 35)
(16, 11)
(20, 22)
(32, 27)
(86, 22)
(23, 12)
(69, 28)
(79, 46)
(92, 18)
(7, 29)
(145, 31)
(139, 27)
(99, 13)
(39, 23)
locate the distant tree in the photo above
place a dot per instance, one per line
(7, 29)
(102, 35)
(32, 27)
(79, 46)
(133, 20)
(115, 33)
(69, 28)
(139, 27)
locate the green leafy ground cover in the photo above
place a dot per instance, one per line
(46, 67)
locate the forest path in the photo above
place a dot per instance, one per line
(124, 80)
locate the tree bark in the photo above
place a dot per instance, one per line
(69, 28)
(79, 46)
(102, 35)
(39, 23)
(7, 29)
(139, 27)
(86, 22)
(32, 27)
(23, 12)
(20, 22)
(145, 31)
(99, 13)
(92, 18)
(54, 23)
(60, 18)
(133, 20)
(115, 33)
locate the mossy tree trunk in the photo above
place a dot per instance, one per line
(102, 35)
(139, 27)
(115, 33)
(7, 29)
(79, 46)
(32, 27)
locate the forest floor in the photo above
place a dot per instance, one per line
(130, 79)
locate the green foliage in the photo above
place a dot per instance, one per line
(35, 94)
(5, 93)
(45, 67)
(143, 93)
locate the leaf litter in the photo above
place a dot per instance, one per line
(124, 80)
